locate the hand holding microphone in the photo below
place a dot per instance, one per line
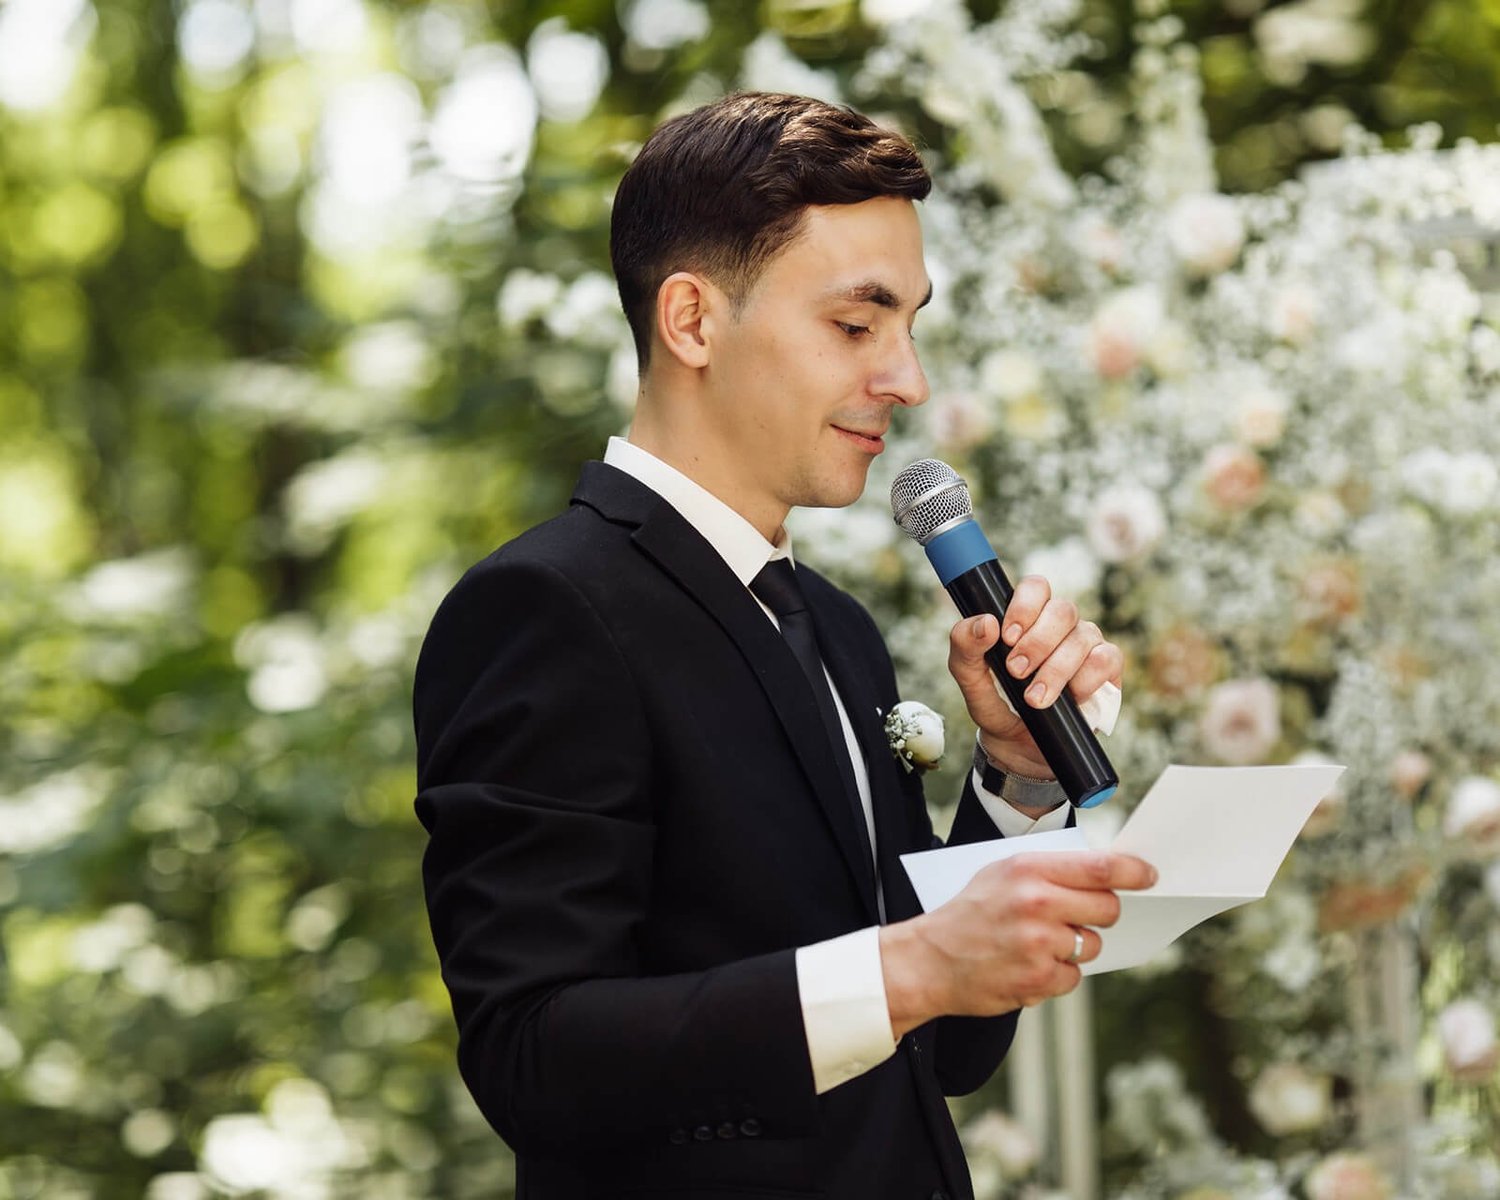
(931, 504)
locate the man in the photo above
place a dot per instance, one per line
(664, 820)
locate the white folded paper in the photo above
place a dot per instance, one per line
(1216, 836)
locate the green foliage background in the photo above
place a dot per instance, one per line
(230, 898)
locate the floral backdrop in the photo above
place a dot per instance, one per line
(1254, 436)
(304, 307)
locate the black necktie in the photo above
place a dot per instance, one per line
(777, 588)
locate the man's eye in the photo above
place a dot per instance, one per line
(853, 331)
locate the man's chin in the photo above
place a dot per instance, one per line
(839, 493)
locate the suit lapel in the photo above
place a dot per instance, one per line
(848, 663)
(667, 538)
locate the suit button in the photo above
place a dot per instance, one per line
(750, 1127)
(677, 1137)
(940, 1195)
(727, 1130)
(703, 1133)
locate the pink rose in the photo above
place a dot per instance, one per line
(1234, 477)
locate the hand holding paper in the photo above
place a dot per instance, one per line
(1216, 836)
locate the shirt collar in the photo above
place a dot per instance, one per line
(733, 538)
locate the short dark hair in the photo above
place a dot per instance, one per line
(721, 190)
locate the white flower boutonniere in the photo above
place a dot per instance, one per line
(915, 733)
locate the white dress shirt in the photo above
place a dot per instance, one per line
(840, 983)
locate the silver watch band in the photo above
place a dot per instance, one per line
(1014, 788)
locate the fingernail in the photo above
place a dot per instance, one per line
(1036, 694)
(1012, 633)
(1018, 666)
(981, 628)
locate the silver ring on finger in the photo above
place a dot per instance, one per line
(1073, 958)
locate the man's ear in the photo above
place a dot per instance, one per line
(686, 308)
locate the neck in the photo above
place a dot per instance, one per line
(708, 464)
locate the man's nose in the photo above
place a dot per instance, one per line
(903, 378)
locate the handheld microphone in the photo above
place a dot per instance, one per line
(931, 503)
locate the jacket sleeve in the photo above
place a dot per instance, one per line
(535, 769)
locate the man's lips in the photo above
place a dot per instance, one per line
(873, 443)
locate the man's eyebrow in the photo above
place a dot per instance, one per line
(872, 291)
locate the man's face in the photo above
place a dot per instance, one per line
(803, 383)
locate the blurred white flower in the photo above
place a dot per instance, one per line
(1260, 416)
(242, 1153)
(1293, 36)
(1380, 348)
(1293, 314)
(55, 1076)
(1319, 513)
(568, 70)
(959, 420)
(287, 663)
(1148, 1106)
(297, 1144)
(1121, 329)
(215, 36)
(485, 121)
(1010, 374)
(1410, 769)
(1346, 1176)
(1099, 241)
(1460, 484)
(1169, 352)
(177, 1185)
(368, 131)
(11, 1052)
(526, 295)
(1070, 566)
(768, 66)
(1126, 523)
(313, 920)
(1207, 232)
(331, 27)
(886, 12)
(41, 42)
(102, 945)
(1234, 477)
(1241, 721)
(1472, 817)
(325, 495)
(154, 584)
(663, 24)
(389, 356)
(1466, 1029)
(51, 811)
(147, 1132)
(1004, 1141)
(588, 312)
(1287, 1098)
(1293, 962)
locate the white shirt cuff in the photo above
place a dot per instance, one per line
(844, 1009)
(1011, 822)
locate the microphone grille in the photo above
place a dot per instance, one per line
(928, 495)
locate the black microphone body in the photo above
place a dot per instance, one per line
(931, 503)
(1059, 730)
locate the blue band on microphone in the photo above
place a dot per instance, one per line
(1098, 797)
(959, 549)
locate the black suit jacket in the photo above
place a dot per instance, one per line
(634, 821)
